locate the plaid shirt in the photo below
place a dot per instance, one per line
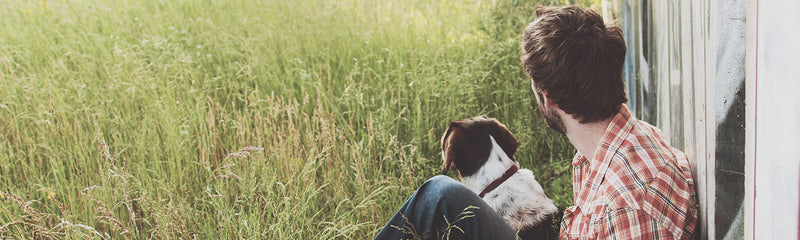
(635, 187)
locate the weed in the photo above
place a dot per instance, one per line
(247, 119)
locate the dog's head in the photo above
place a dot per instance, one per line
(466, 144)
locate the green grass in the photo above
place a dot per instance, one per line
(305, 119)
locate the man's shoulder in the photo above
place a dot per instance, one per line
(649, 175)
(643, 163)
(645, 152)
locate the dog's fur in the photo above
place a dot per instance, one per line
(481, 150)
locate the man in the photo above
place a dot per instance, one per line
(628, 182)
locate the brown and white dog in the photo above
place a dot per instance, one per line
(481, 150)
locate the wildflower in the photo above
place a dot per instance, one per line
(51, 196)
(2, 196)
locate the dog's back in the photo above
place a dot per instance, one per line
(521, 201)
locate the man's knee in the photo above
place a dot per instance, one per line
(445, 187)
(441, 179)
(441, 182)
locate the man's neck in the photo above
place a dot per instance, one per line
(585, 136)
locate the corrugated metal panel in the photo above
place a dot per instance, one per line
(777, 161)
(685, 74)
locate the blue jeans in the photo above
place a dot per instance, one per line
(443, 208)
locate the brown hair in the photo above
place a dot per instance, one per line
(571, 54)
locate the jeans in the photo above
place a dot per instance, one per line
(443, 208)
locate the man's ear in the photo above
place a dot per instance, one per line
(546, 101)
(542, 98)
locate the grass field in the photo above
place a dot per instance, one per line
(305, 119)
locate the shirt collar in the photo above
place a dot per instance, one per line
(617, 131)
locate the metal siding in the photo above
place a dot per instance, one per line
(694, 91)
(777, 160)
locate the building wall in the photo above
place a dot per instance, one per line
(730, 118)
(685, 72)
(773, 74)
(721, 78)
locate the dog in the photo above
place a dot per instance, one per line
(481, 150)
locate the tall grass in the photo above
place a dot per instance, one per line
(305, 119)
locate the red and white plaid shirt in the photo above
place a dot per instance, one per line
(636, 187)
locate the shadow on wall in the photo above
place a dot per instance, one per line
(730, 170)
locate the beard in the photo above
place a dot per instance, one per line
(553, 120)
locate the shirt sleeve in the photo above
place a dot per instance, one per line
(629, 223)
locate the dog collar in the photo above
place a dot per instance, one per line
(510, 172)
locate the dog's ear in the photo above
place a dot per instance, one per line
(465, 148)
(504, 138)
(446, 156)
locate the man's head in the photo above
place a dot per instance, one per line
(575, 61)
